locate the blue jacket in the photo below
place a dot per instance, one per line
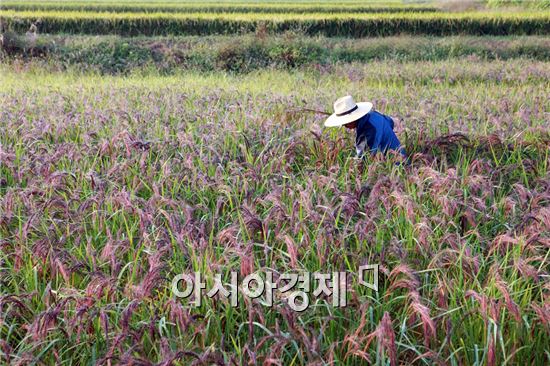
(375, 134)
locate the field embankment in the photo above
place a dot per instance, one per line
(113, 55)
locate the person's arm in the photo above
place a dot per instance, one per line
(360, 145)
(362, 136)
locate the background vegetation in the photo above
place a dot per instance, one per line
(168, 55)
(343, 25)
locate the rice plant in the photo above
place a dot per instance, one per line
(333, 25)
(112, 185)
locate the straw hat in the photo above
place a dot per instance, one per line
(346, 111)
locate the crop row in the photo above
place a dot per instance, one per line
(358, 25)
(217, 7)
(541, 4)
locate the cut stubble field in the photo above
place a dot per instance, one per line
(110, 186)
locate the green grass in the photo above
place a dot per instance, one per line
(542, 4)
(156, 169)
(113, 54)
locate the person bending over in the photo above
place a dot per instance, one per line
(374, 130)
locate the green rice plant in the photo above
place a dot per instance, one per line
(217, 7)
(343, 25)
(541, 4)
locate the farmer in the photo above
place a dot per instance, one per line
(374, 130)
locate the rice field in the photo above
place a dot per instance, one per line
(220, 7)
(348, 19)
(527, 22)
(127, 161)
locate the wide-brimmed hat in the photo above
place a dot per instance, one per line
(346, 111)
